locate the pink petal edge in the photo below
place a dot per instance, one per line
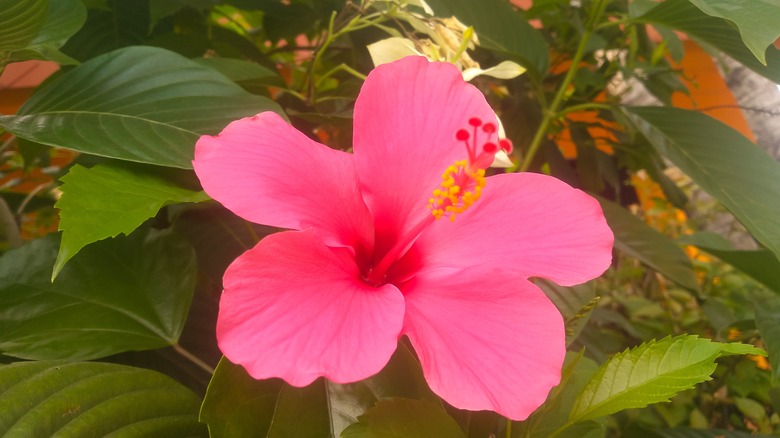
(486, 339)
(267, 172)
(533, 224)
(296, 309)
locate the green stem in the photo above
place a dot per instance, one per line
(551, 112)
(590, 106)
(508, 428)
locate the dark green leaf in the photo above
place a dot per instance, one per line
(682, 15)
(637, 239)
(760, 264)
(651, 373)
(722, 162)
(138, 104)
(404, 418)
(757, 20)
(767, 317)
(128, 293)
(63, 18)
(43, 399)
(108, 200)
(499, 28)
(237, 70)
(575, 304)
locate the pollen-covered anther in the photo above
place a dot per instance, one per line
(460, 188)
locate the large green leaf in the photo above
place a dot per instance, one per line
(757, 20)
(238, 405)
(43, 399)
(635, 238)
(127, 293)
(499, 28)
(682, 15)
(722, 162)
(140, 104)
(404, 418)
(651, 373)
(108, 200)
(767, 319)
(20, 21)
(760, 264)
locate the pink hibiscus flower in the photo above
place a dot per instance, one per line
(367, 259)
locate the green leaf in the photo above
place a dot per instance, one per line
(651, 373)
(767, 317)
(756, 20)
(637, 239)
(575, 304)
(139, 104)
(404, 418)
(237, 70)
(128, 293)
(108, 200)
(20, 21)
(725, 164)
(761, 265)
(93, 399)
(238, 405)
(682, 15)
(500, 28)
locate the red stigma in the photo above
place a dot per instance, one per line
(475, 122)
(506, 145)
(489, 128)
(490, 148)
(462, 135)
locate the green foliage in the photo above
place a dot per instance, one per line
(108, 200)
(401, 418)
(49, 398)
(116, 295)
(651, 373)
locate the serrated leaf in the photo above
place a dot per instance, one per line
(20, 21)
(108, 200)
(128, 293)
(93, 399)
(761, 264)
(651, 373)
(404, 418)
(725, 164)
(756, 20)
(499, 28)
(139, 104)
(637, 239)
(682, 15)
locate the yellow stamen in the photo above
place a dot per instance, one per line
(460, 188)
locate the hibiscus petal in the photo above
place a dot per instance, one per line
(406, 117)
(296, 309)
(267, 172)
(486, 339)
(533, 224)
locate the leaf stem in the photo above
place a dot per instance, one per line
(552, 111)
(508, 428)
(192, 358)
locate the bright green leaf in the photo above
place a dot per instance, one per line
(761, 264)
(20, 21)
(44, 399)
(108, 200)
(651, 373)
(123, 294)
(499, 28)
(404, 418)
(757, 20)
(724, 163)
(682, 15)
(637, 239)
(138, 104)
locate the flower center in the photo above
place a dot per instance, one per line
(463, 181)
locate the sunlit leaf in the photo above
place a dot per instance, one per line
(404, 418)
(682, 15)
(756, 20)
(108, 200)
(724, 163)
(651, 373)
(138, 104)
(637, 239)
(127, 293)
(48, 398)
